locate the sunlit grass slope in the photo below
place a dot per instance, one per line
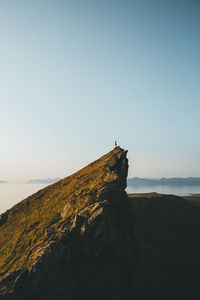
(24, 229)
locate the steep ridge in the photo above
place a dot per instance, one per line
(73, 239)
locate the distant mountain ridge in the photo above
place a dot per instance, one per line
(46, 180)
(189, 181)
(3, 181)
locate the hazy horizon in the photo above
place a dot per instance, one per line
(78, 75)
(13, 193)
(26, 180)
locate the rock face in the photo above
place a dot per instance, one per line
(72, 240)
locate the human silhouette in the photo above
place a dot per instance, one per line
(115, 143)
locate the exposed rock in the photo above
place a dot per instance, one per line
(74, 239)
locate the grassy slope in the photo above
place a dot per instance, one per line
(24, 230)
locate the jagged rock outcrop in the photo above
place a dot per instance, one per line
(72, 240)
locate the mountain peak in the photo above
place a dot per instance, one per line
(84, 215)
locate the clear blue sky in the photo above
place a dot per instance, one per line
(76, 75)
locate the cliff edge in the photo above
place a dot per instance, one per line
(74, 239)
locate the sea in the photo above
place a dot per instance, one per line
(12, 193)
(178, 190)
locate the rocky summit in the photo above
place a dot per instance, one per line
(74, 239)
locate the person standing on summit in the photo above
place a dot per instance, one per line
(115, 144)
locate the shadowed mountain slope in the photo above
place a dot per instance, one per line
(168, 231)
(73, 239)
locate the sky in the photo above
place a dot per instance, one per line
(77, 75)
